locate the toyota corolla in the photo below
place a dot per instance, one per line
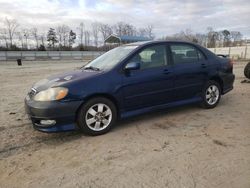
(129, 80)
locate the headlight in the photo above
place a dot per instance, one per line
(51, 94)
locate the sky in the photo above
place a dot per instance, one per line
(167, 17)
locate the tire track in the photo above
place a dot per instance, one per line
(11, 150)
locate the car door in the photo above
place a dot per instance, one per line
(190, 67)
(152, 84)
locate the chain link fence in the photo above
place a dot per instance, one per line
(238, 52)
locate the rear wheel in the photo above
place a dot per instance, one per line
(247, 71)
(97, 116)
(211, 94)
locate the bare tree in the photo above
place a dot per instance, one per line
(60, 35)
(236, 36)
(186, 35)
(142, 32)
(129, 30)
(21, 39)
(149, 31)
(105, 30)
(86, 37)
(3, 37)
(118, 28)
(34, 33)
(42, 38)
(201, 38)
(219, 39)
(122, 28)
(26, 34)
(81, 29)
(63, 35)
(10, 27)
(66, 30)
(95, 32)
(212, 37)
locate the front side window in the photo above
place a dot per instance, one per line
(184, 53)
(154, 56)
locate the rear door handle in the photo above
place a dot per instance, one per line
(166, 71)
(203, 65)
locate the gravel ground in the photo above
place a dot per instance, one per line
(180, 147)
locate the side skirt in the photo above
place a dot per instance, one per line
(159, 107)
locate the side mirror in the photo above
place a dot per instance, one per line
(132, 66)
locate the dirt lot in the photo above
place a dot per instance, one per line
(181, 147)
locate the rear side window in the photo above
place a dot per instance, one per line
(184, 53)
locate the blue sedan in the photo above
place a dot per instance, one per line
(129, 80)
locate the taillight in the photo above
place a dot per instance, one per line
(231, 62)
(230, 67)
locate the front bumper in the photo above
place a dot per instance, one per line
(63, 112)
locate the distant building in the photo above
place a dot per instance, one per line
(124, 39)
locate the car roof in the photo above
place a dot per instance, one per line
(158, 42)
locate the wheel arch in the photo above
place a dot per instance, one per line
(219, 81)
(104, 95)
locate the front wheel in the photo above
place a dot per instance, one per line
(211, 94)
(97, 116)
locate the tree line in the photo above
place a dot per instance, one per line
(62, 37)
(210, 39)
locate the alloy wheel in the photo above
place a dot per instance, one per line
(212, 94)
(98, 117)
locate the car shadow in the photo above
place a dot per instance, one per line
(60, 137)
(164, 113)
(40, 140)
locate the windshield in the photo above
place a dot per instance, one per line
(110, 58)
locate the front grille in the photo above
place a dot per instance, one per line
(32, 92)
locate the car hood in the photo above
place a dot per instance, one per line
(60, 79)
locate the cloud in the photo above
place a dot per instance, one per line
(167, 17)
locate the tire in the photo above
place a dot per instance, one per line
(247, 70)
(211, 94)
(97, 116)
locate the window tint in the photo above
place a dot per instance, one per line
(154, 56)
(184, 53)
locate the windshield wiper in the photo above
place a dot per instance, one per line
(91, 68)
